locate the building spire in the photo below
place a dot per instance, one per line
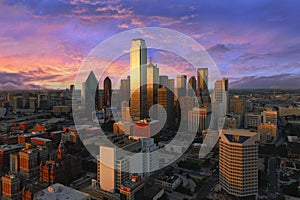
(150, 60)
(61, 150)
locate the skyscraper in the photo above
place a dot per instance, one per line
(90, 92)
(181, 86)
(107, 92)
(106, 168)
(192, 88)
(138, 79)
(237, 105)
(163, 81)
(166, 99)
(238, 162)
(202, 77)
(152, 85)
(197, 120)
(221, 92)
(125, 89)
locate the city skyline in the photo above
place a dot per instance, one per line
(165, 100)
(41, 53)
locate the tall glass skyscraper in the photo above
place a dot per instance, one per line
(152, 85)
(107, 92)
(138, 79)
(202, 77)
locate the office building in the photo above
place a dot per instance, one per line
(221, 91)
(232, 121)
(165, 98)
(197, 120)
(11, 188)
(237, 105)
(288, 111)
(186, 105)
(192, 87)
(5, 151)
(252, 120)
(138, 79)
(269, 116)
(267, 132)
(129, 188)
(90, 93)
(163, 81)
(181, 86)
(125, 89)
(152, 86)
(60, 192)
(107, 168)
(107, 92)
(238, 162)
(202, 78)
(29, 166)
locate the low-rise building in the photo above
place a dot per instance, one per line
(60, 192)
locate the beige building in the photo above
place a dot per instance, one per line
(237, 105)
(267, 132)
(269, 116)
(283, 111)
(239, 162)
(197, 120)
(252, 120)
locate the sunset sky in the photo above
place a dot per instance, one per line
(256, 44)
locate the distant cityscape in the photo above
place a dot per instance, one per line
(182, 140)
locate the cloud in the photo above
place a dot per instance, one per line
(123, 26)
(56, 36)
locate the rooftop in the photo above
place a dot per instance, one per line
(60, 192)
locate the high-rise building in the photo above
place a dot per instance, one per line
(107, 168)
(29, 166)
(107, 92)
(11, 188)
(237, 105)
(220, 95)
(138, 79)
(232, 121)
(238, 162)
(90, 92)
(171, 85)
(72, 89)
(165, 98)
(192, 86)
(197, 120)
(163, 81)
(202, 78)
(269, 116)
(252, 120)
(267, 132)
(181, 86)
(125, 89)
(152, 85)
(186, 105)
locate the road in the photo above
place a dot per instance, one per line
(208, 185)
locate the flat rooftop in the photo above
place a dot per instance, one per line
(60, 192)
